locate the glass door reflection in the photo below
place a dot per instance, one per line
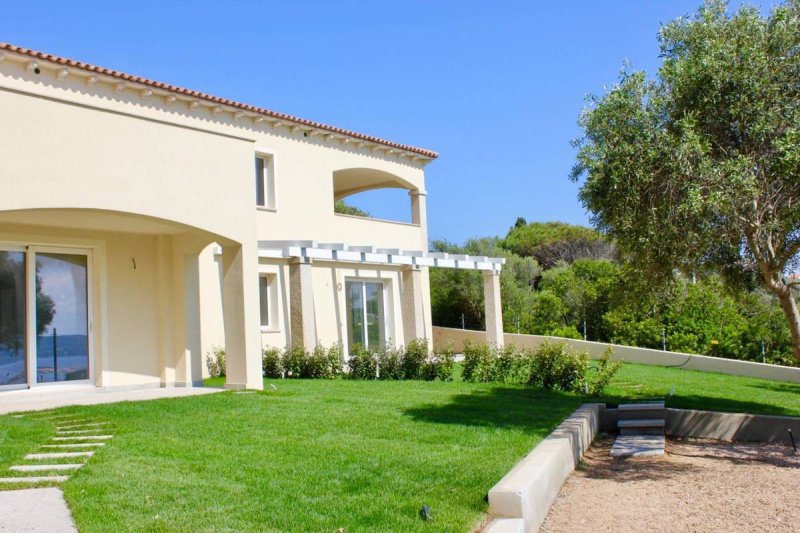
(13, 365)
(62, 324)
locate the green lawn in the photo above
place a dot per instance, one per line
(322, 455)
(704, 390)
(311, 456)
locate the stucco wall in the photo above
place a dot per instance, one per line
(644, 356)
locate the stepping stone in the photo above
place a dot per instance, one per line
(86, 425)
(40, 468)
(75, 431)
(638, 446)
(85, 437)
(57, 455)
(75, 445)
(33, 479)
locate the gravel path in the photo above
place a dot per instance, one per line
(698, 485)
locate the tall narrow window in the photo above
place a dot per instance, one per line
(365, 314)
(261, 197)
(265, 182)
(264, 297)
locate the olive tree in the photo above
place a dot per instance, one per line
(699, 168)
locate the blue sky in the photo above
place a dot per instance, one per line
(494, 87)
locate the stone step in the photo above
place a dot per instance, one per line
(43, 468)
(74, 445)
(34, 479)
(84, 425)
(641, 406)
(76, 431)
(642, 423)
(638, 446)
(84, 437)
(650, 426)
(56, 455)
(642, 414)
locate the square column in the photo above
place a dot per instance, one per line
(413, 306)
(302, 319)
(419, 213)
(493, 308)
(241, 313)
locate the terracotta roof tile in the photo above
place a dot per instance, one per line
(203, 96)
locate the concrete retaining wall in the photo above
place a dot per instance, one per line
(630, 354)
(529, 489)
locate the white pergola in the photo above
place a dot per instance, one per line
(302, 253)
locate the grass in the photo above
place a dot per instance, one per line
(704, 390)
(323, 455)
(311, 456)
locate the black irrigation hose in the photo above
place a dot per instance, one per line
(682, 364)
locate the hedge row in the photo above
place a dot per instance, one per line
(553, 366)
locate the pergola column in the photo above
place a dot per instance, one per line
(493, 307)
(241, 313)
(413, 305)
(301, 307)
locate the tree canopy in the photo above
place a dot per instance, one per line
(698, 170)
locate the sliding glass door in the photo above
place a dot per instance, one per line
(13, 366)
(44, 316)
(62, 320)
(365, 314)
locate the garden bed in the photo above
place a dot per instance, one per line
(699, 485)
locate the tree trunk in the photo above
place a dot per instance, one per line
(789, 306)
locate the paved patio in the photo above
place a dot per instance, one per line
(35, 510)
(52, 397)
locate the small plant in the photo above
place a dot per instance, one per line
(215, 361)
(504, 365)
(362, 364)
(606, 368)
(440, 364)
(414, 356)
(335, 360)
(271, 365)
(557, 366)
(477, 361)
(317, 364)
(390, 363)
(294, 362)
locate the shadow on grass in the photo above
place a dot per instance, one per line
(528, 409)
(779, 387)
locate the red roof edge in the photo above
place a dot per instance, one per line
(195, 94)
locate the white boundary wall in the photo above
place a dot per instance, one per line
(521, 500)
(630, 354)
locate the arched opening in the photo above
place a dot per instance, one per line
(371, 193)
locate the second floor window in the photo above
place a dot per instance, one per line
(265, 183)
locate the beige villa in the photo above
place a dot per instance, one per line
(141, 224)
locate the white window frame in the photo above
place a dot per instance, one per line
(269, 192)
(273, 310)
(385, 315)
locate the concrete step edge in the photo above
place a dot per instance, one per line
(642, 423)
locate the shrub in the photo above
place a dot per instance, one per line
(215, 361)
(316, 364)
(294, 362)
(335, 360)
(477, 361)
(271, 365)
(557, 366)
(390, 363)
(440, 364)
(504, 365)
(362, 364)
(606, 369)
(414, 356)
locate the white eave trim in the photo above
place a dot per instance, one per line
(341, 252)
